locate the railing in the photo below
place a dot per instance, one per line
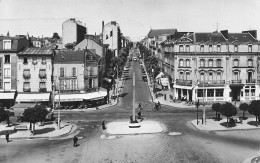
(42, 76)
(27, 90)
(250, 81)
(184, 82)
(26, 76)
(42, 90)
(211, 83)
(236, 81)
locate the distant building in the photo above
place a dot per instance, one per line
(72, 31)
(34, 75)
(9, 47)
(112, 36)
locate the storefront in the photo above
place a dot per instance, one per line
(7, 99)
(41, 98)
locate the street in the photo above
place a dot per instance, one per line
(191, 146)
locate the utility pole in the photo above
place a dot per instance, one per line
(59, 108)
(204, 116)
(134, 96)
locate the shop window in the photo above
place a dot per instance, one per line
(200, 92)
(210, 92)
(219, 92)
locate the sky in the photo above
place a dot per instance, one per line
(135, 17)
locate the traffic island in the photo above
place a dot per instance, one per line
(146, 127)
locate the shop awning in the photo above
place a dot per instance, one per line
(33, 97)
(69, 97)
(95, 95)
(6, 96)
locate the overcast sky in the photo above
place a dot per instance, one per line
(135, 17)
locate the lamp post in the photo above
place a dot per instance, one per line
(204, 116)
(59, 108)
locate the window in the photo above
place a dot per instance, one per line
(247, 92)
(236, 63)
(187, 48)
(42, 73)
(250, 63)
(181, 75)
(181, 63)
(43, 60)
(74, 73)
(26, 85)
(210, 92)
(42, 85)
(202, 63)
(187, 75)
(187, 63)
(62, 72)
(34, 60)
(236, 76)
(181, 48)
(252, 92)
(7, 58)
(218, 76)
(219, 92)
(218, 63)
(249, 48)
(7, 44)
(25, 61)
(210, 76)
(236, 48)
(210, 48)
(202, 76)
(211, 63)
(26, 72)
(73, 84)
(218, 48)
(200, 92)
(7, 73)
(201, 48)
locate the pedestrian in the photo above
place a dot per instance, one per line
(75, 141)
(7, 137)
(164, 96)
(103, 125)
(139, 114)
(159, 104)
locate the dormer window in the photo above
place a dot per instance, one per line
(201, 48)
(187, 48)
(249, 48)
(218, 48)
(181, 48)
(7, 44)
(236, 48)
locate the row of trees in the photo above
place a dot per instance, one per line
(228, 110)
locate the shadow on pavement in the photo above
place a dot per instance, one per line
(43, 131)
(252, 123)
(230, 125)
(123, 95)
(9, 131)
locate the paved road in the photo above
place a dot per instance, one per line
(191, 146)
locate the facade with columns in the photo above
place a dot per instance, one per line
(225, 66)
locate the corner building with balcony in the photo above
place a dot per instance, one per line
(34, 75)
(217, 66)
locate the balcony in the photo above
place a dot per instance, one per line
(42, 76)
(42, 90)
(184, 82)
(236, 81)
(211, 83)
(26, 76)
(250, 81)
(27, 90)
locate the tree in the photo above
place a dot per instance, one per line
(56, 36)
(254, 109)
(244, 107)
(5, 115)
(216, 107)
(228, 110)
(70, 45)
(35, 114)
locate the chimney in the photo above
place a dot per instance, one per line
(252, 32)
(224, 33)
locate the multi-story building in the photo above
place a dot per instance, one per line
(34, 75)
(9, 47)
(112, 36)
(223, 65)
(72, 31)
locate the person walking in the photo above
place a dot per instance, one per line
(7, 137)
(103, 125)
(75, 141)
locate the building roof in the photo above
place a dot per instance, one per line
(209, 37)
(157, 32)
(69, 56)
(15, 40)
(95, 56)
(241, 37)
(37, 51)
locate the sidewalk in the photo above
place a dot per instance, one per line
(212, 125)
(47, 131)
